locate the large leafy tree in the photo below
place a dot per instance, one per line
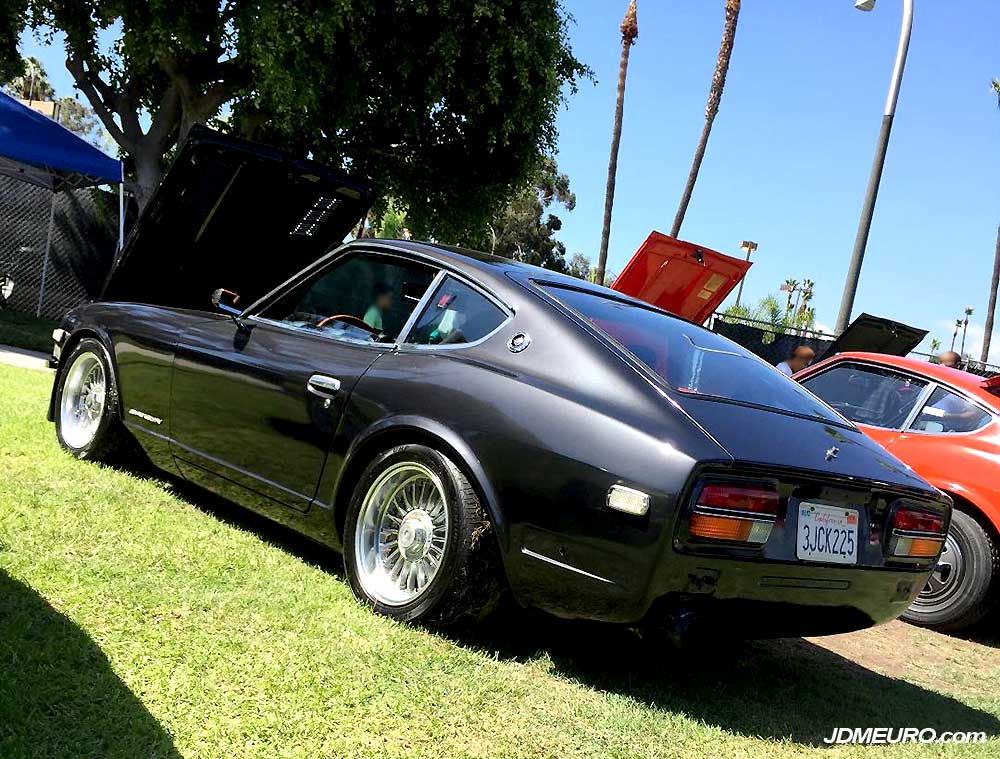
(447, 105)
(525, 230)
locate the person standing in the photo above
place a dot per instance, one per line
(950, 359)
(800, 357)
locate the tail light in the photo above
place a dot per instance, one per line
(916, 534)
(743, 513)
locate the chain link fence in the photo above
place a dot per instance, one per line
(775, 344)
(84, 237)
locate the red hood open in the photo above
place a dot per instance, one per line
(680, 277)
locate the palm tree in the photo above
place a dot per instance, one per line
(991, 309)
(954, 335)
(630, 32)
(34, 83)
(791, 286)
(935, 346)
(711, 109)
(965, 328)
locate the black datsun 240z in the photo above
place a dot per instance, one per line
(459, 424)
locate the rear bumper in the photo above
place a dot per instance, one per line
(769, 599)
(739, 596)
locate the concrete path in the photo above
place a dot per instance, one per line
(24, 359)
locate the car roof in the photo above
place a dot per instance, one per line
(970, 383)
(494, 270)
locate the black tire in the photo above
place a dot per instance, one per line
(110, 441)
(977, 574)
(467, 584)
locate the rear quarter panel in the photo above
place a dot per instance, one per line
(551, 429)
(966, 465)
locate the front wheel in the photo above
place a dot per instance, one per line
(417, 543)
(87, 423)
(962, 588)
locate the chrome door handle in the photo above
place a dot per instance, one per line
(323, 386)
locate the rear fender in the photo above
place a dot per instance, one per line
(967, 499)
(397, 430)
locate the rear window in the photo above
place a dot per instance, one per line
(691, 359)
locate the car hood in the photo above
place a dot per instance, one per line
(688, 280)
(777, 440)
(236, 215)
(873, 334)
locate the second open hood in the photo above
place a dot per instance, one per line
(688, 280)
(873, 334)
(236, 215)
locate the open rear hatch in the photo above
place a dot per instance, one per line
(233, 214)
(688, 280)
(873, 334)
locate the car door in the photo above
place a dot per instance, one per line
(942, 442)
(255, 400)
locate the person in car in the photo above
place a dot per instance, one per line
(800, 357)
(381, 302)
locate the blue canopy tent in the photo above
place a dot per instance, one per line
(38, 150)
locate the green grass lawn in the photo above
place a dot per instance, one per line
(26, 331)
(142, 620)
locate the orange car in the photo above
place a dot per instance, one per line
(945, 424)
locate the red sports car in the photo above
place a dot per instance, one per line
(945, 424)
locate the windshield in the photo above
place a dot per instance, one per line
(691, 359)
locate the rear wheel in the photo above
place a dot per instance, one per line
(416, 540)
(962, 588)
(87, 423)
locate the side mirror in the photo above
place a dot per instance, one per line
(225, 301)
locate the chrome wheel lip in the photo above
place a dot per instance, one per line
(84, 394)
(945, 581)
(401, 534)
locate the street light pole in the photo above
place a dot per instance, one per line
(749, 246)
(864, 226)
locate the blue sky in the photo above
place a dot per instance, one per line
(792, 146)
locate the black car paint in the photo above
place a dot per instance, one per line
(542, 433)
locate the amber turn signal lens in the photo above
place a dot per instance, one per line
(920, 548)
(720, 528)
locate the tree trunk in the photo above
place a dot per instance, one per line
(630, 31)
(148, 173)
(993, 302)
(711, 109)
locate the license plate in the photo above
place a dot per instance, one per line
(827, 533)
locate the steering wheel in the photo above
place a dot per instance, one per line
(354, 321)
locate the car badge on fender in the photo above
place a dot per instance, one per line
(832, 453)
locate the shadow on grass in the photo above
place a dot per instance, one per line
(59, 696)
(784, 689)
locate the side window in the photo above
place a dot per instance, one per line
(456, 314)
(868, 395)
(945, 412)
(364, 297)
